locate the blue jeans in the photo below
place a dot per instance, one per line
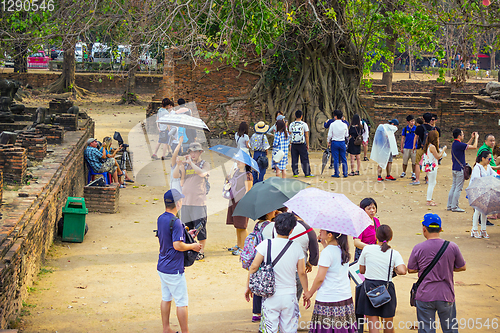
(258, 177)
(338, 151)
(426, 316)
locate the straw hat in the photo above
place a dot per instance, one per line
(261, 127)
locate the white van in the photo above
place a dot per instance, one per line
(80, 48)
(101, 53)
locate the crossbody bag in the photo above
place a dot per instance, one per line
(379, 296)
(467, 168)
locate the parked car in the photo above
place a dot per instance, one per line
(60, 56)
(38, 60)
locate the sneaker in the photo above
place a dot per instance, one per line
(458, 210)
(448, 208)
(413, 177)
(403, 175)
(237, 252)
(390, 178)
(255, 318)
(330, 167)
(336, 176)
(295, 176)
(310, 176)
(415, 183)
(154, 157)
(380, 179)
(489, 223)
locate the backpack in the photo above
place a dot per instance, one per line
(426, 134)
(229, 189)
(297, 133)
(253, 239)
(190, 255)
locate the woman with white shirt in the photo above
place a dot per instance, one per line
(377, 264)
(482, 168)
(431, 162)
(242, 139)
(334, 308)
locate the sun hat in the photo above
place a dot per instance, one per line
(195, 146)
(261, 127)
(432, 220)
(172, 196)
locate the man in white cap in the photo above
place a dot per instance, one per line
(195, 188)
(99, 162)
(260, 145)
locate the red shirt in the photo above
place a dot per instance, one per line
(369, 235)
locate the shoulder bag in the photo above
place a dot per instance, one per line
(262, 160)
(277, 152)
(190, 255)
(413, 291)
(380, 295)
(467, 168)
(262, 283)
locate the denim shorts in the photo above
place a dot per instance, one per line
(174, 286)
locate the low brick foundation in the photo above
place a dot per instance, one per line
(35, 144)
(27, 227)
(13, 163)
(68, 121)
(53, 133)
(102, 199)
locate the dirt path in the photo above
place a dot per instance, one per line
(109, 282)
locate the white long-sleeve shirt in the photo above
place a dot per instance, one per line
(479, 171)
(338, 131)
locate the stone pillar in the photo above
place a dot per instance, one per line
(13, 163)
(167, 84)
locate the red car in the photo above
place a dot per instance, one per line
(38, 60)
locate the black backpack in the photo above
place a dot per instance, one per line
(426, 134)
(190, 255)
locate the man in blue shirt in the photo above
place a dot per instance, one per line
(171, 261)
(458, 159)
(99, 162)
(407, 146)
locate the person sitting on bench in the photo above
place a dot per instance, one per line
(98, 161)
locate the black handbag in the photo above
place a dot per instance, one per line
(380, 295)
(413, 291)
(190, 255)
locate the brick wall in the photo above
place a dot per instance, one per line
(13, 163)
(53, 133)
(28, 225)
(102, 199)
(35, 144)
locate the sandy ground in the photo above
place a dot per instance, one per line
(109, 282)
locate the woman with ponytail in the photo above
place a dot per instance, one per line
(334, 309)
(377, 262)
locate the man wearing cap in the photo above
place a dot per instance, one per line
(99, 162)
(195, 188)
(436, 292)
(260, 145)
(171, 261)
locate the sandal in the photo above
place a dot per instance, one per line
(356, 173)
(475, 234)
(351, 174)
(366, 159)
(431, 203)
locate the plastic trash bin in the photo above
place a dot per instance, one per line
(74, 220)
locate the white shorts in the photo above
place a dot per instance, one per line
(407, 154)
(280, 312)
(174, 286)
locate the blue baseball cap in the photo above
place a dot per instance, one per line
(431, 220)
(172, 196)
(394, 121)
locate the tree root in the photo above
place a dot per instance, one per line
(58, 87)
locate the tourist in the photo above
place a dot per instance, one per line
(338, 132)
(430, 162)
(99, 162)
(299, 139)
(171, 261)
(242, 139)
(368, 236)
(279, 116)
(355, 141)
(241, 184)
(421, 133)
(111, 153)
(260, 145)
(377, 264)
(407, 147)
(177, 170)
(281, 143)
(436, 292)
(366, 137)
(163, 129)
(281, 311)
(482, 168)
(458, 163)
(433, 123)
(334, 288)
(488, 145)
(194, 209)
(386, 147)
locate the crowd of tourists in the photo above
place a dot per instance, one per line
(282, 240)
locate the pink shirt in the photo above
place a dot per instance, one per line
(368, 236)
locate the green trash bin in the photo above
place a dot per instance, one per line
(74, 220)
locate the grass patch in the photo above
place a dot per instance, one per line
(45, 270)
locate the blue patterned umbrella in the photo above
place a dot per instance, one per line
(484, 194)
(236, 154)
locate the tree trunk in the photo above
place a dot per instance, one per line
(390, 43)
(20, 58)
(129, 96)
(409, 61)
